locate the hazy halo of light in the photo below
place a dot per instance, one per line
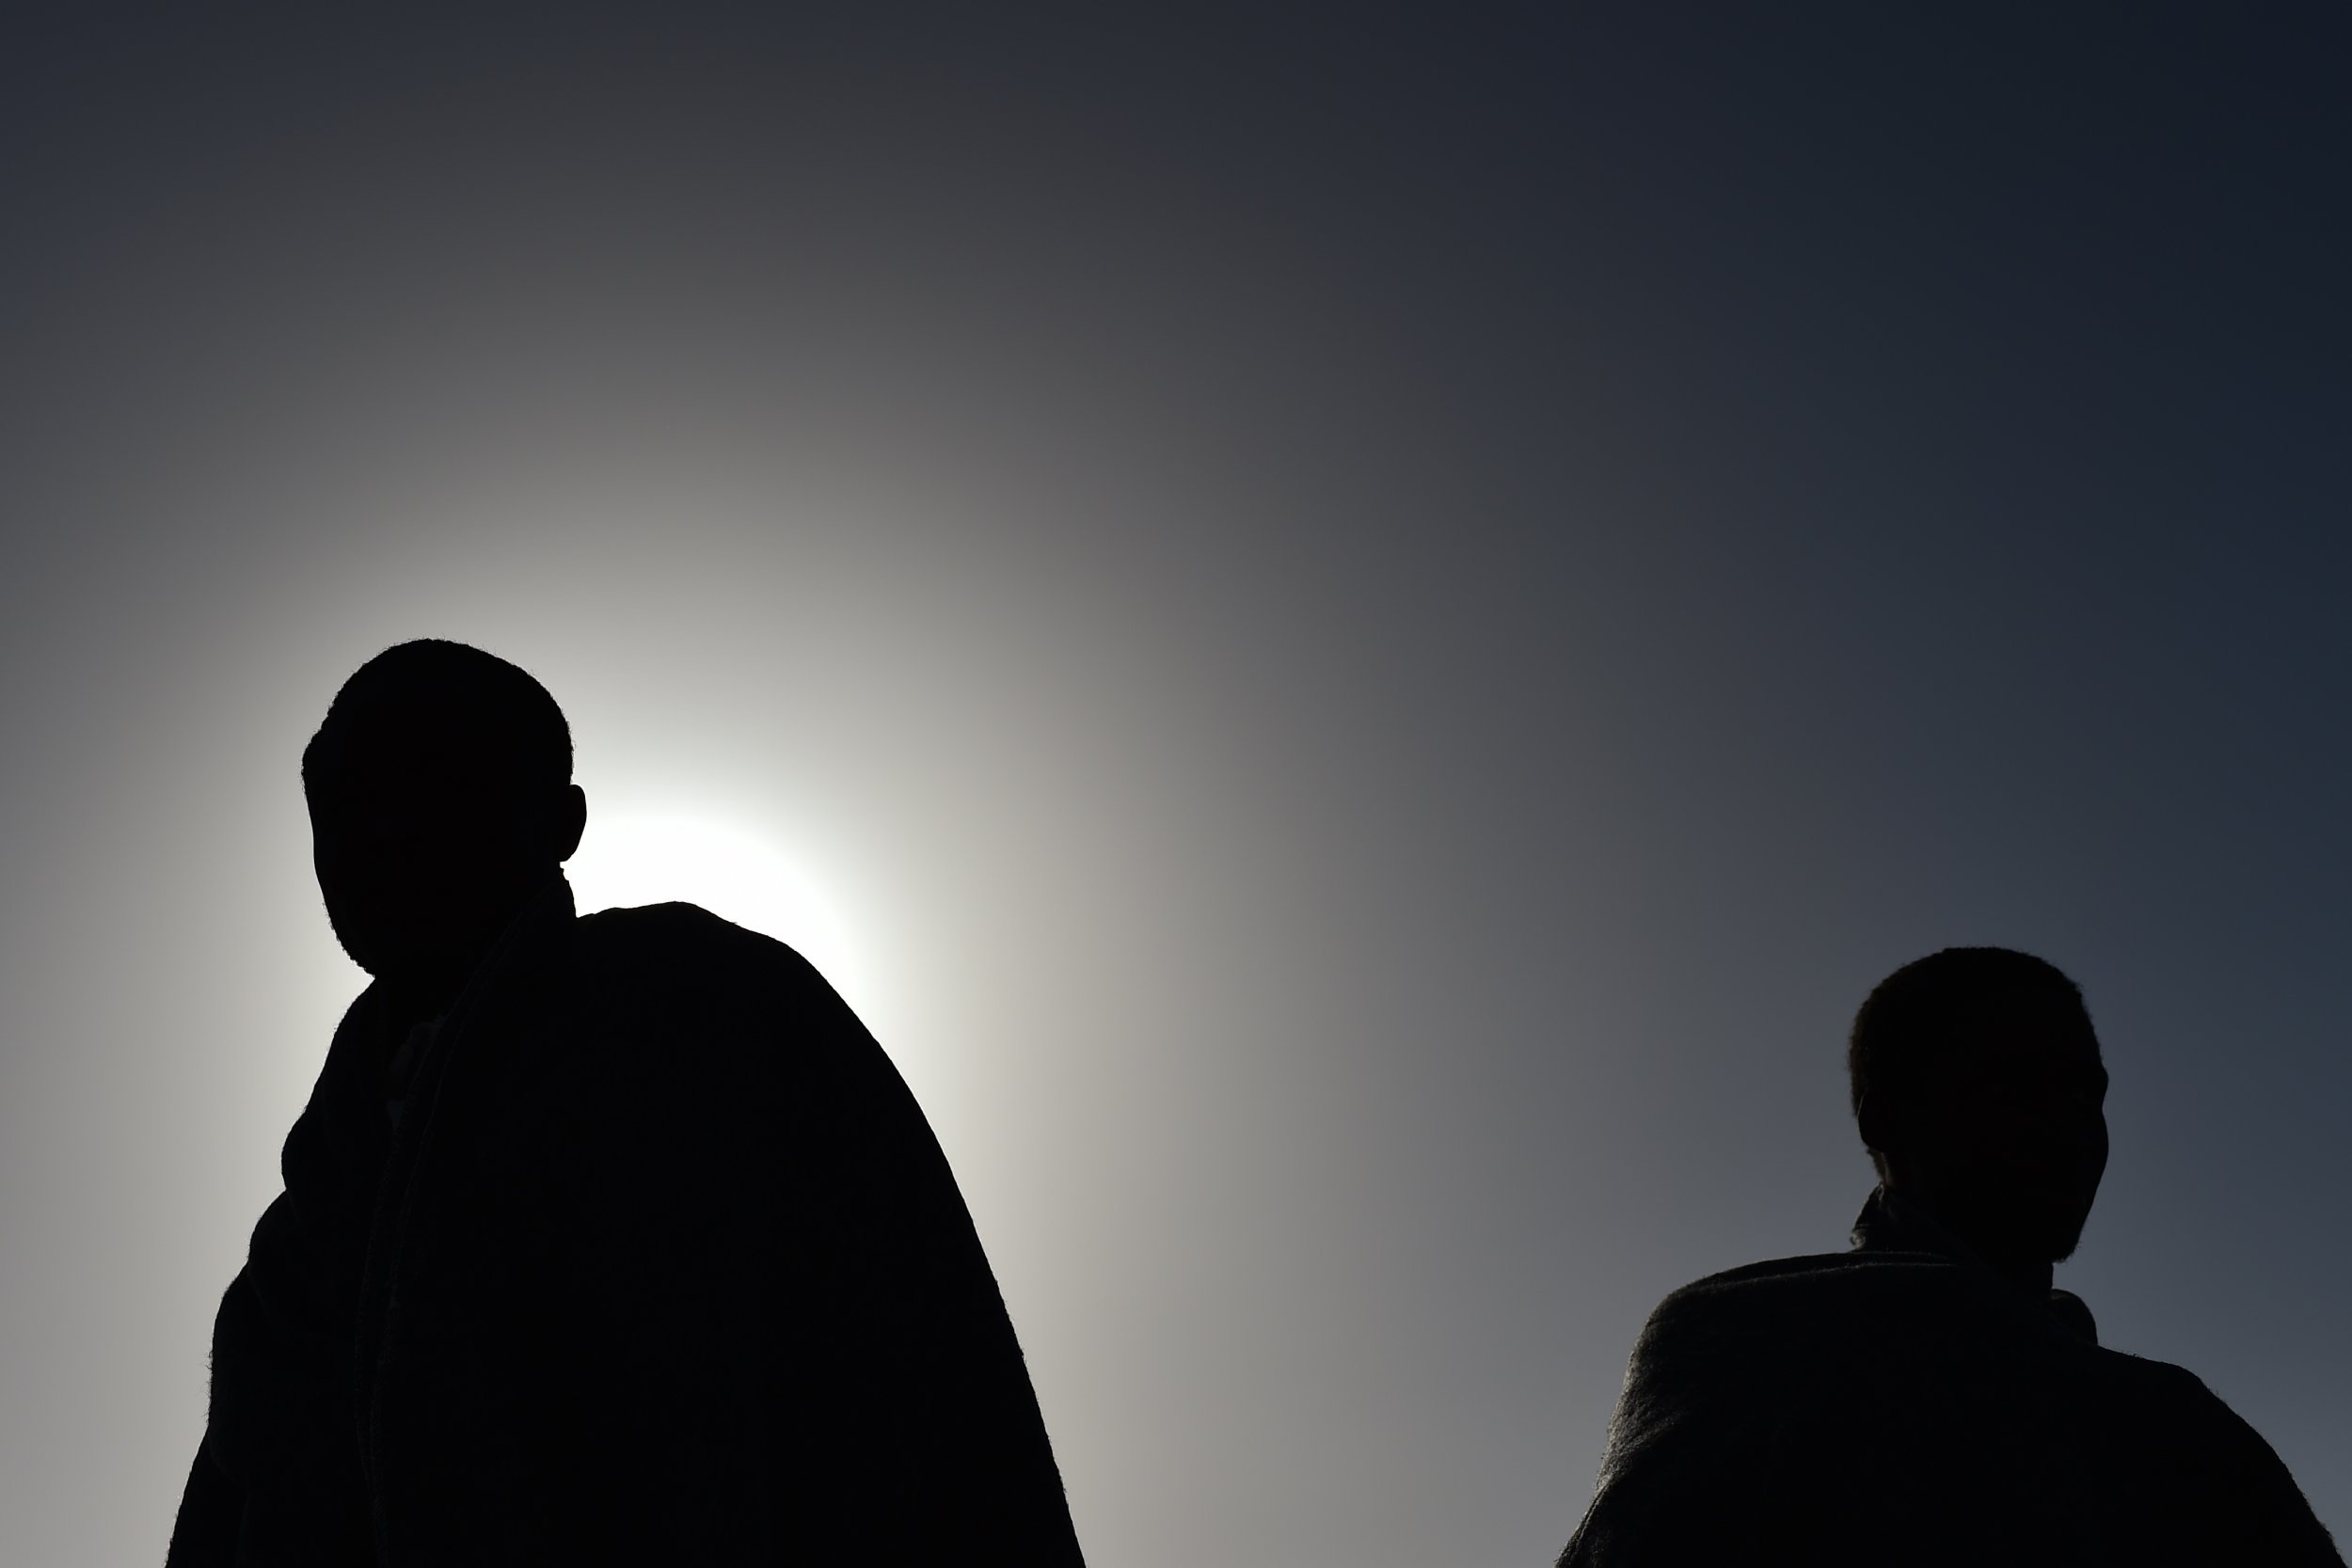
(734, 873)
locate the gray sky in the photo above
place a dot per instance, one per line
(1364, 631)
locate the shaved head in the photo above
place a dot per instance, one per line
(440, 802)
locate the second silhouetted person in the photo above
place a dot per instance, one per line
(1927, 1398)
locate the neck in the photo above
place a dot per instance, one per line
(2032, 1272)
(432, 988)
(412, 998)
(2011, 1263)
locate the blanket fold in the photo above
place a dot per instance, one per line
(660, 1263)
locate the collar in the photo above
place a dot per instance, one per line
(1891, 1223)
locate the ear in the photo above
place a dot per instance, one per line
(571, 821)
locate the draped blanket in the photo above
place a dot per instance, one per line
(661, 1265)
(1888, 1406)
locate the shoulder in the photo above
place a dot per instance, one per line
(1813, 1270)
(1804, 1287)
(668, 945)
(684, 930)
(1818, 1330)
(2176, 1399)
(2160, 1380)
(703, 981)
(2213, 1480)
(711, 986)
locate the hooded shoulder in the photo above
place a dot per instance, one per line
(681, 981)
(681, 933)
(678, 948)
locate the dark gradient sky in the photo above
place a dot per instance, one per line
(1371, 627)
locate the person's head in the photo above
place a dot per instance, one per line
(1979, 1089)
(440, 797)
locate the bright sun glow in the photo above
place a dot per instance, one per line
(737, 876)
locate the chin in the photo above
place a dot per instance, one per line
(368, 955)
(2065, 1239)
(387, 962)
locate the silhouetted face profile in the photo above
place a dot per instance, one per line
(441, 803)
(1982, 1095)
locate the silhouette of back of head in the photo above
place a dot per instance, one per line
(440, 798)
(1979, 1092)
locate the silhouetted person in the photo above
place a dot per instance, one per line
(612, 1239)
(1927, 1398)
